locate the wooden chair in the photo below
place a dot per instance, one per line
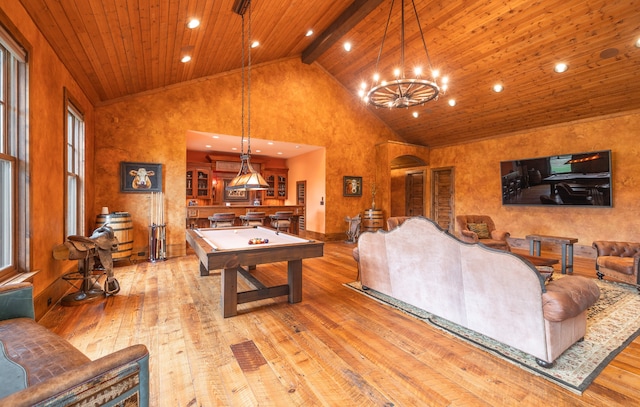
(254, 219)
(281, 220)
(222, 220)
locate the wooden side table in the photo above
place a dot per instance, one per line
(535, 242)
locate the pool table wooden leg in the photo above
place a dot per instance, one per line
(294, 272)
(204, 271)
(229, 292)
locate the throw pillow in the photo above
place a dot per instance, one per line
(481, 229)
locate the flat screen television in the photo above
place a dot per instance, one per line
(582, 179)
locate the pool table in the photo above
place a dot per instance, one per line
(229, 249)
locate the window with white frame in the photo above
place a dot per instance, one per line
(13, 156)
(74, 196)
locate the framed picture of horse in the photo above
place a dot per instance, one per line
(140, 177)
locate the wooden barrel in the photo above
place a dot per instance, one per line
(372, 220)
(122, 226)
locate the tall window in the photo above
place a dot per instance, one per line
(13, 143)
(74, 134)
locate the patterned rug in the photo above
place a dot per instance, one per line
(612, 323)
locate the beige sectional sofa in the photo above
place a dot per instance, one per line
(496, 293)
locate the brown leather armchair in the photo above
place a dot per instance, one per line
(481, 229)
(618, 260)
(41, 368)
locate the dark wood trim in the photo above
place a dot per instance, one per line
(355, 13)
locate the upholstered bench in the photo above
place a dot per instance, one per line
(38, 367)
(618, 260)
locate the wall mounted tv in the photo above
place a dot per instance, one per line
(582, 179)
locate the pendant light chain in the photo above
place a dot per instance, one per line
(242, 116)
(249, 85)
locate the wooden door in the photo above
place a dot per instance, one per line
(443, 197)
(414, 190)
(301, 199)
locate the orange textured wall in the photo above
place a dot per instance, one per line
(311, 168)
(48, 79)
(478, 187)
(312, 109)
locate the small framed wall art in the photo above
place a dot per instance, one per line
(140, 177)
(352, 186)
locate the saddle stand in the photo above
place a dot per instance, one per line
(94, 259)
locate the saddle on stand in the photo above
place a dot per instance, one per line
(94, 255)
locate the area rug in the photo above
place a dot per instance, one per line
(612, 323)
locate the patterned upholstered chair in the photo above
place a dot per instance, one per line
(481, 229)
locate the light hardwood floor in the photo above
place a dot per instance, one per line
(335, 348)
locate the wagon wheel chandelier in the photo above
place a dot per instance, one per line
(247, 178)
(403, 92)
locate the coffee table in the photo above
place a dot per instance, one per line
(543, 264)
(535, 242)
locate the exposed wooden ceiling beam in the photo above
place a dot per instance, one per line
(358, 10)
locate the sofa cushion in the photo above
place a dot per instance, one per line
(568, 297)
(622, 265)
(39, 353)
(481, 229)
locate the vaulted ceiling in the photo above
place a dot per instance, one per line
(117, 48)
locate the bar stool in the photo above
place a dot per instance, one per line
(222, 220)
(253, 219)
(281, 220)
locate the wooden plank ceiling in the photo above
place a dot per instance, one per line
(116, 48)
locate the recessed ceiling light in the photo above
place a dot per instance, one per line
(255, 44)
(186, 59)
(415, 114)
(498, 88)
(638, 43)
(347, 46)
(258, 151)
(207, 145)
(215, 136)
(452, 102)
(309, 33)
(193, 23)
(270, 143)
(279, 153)
(560, 67)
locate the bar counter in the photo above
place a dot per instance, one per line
(198, 216)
